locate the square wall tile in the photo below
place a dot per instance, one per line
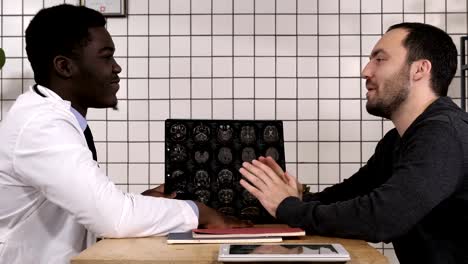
(243, 67)
(329, 173)
(179, 46)
(286, 24)
(11, 89)
(138, 152)
(307, 152)
(11, 26)
(307, 130)
(222, 109)
(201, 67)
(350, 6)
(12, 7)
(307, 109)
(370, 6)
(397, 5)
(222, 88)
(201, 88)
(265, 67)
(201, 46)
(138, 7)
(157, 152)
(286, 67)
(137, 67)
(307, 24)
(159, 25)
(264, 6)
(286, 45)
(201, 109)
(372, 130)
(243, 87)
(159, 6)
(156, 130)
(286, 88)
(371, 24)
(159, 88)
(289, 130)
(290, 150)
(329, 109)
(350, 130)
(138, 25)
(329, 130)
(222, 46)
(138, 110)
(180, 67)
(138, 173)
(159, 67)
(98, 129)
(306, 67)
(265, 46)
(243, 46)
(118, 173)
(329, 87)
(414, 6)
(246, 6)
(286, 110)
(117, 152)
(329, 151)
(328, 45)
(120, 113)
(179, 6)
(265, 88)
(307, 88)
(350, 109)
(222, 6)
(243, 24)
(307, 173)
(350, 24)
(201, 24)
(137, 46)
(201, 6)
(180, 109)
(222, 67)
(328, 66)
(156, 173)
(222, 24)
(350, 152)
(328, 24)
(285, 6)
(180, 88)
(159, 109)
(328, 6)
(368, 149)
(264, 24)
(243, 109)
(138, 130)
(180, 25)
(265, 109)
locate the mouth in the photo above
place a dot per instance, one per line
(115, 84)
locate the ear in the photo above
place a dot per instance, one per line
(63, 66)
(421, 69)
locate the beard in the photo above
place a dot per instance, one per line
(393, 93)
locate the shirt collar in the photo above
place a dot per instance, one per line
(81, 119)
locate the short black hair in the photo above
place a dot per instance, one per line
(58, 30)
(431, 43)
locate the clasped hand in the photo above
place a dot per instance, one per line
(265, 180)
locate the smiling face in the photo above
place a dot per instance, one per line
(96, 79)
(387, 75)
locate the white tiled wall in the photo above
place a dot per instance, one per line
(294, 60)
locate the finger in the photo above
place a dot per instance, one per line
(273, 165)
(251, 189)
(160, 188)
(172, 195)
(257, 172)
(254, 180)
(268, 171)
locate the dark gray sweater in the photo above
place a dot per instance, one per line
(413, 192)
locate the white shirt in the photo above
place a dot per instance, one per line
(52, 191)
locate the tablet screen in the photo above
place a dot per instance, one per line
(295, 249)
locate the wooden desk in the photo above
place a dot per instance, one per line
(155, 250)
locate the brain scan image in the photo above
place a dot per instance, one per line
(225, 177)
(202, 179)
(178, 153)
(273, 153)
(270, 134)
(201, 133)
(202, 196)
(227, 210)
(225, 133)
(225, 155)
(201, 156)
(248, 154)
(226, 196)
(176, 174)
(178, 132)
(247, 135)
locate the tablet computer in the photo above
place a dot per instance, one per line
(305, 252)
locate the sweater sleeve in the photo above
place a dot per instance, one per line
(427, 170)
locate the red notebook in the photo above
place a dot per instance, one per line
(248, 232)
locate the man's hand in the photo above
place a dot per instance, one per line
(279, 171)
(268, 184)
(210, 218)
(158, 192)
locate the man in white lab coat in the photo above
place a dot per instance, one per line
(54, 199)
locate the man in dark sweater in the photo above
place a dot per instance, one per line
(413, 191)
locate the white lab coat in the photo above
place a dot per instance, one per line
(52, 191)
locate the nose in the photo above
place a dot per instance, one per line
(366, 71)
(116, 68)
